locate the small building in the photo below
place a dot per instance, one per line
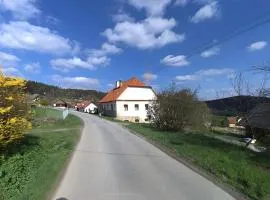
(86, 106)
(128, 101)
(232, 121)
(60, 104)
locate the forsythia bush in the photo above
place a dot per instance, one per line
(14, 114)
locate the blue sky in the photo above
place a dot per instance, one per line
(91, 44)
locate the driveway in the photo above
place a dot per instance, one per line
(110, 163)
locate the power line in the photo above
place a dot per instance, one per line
(260, 21)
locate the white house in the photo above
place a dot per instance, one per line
(128, 101)
(90, 108)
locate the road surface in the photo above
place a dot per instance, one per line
(110, 163)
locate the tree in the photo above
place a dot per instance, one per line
(177, 109)
(14, 114)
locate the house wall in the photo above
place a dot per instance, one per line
(90, 107)
(137, 93)
(132, 114)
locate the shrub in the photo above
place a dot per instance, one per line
(44, 102)
(14, 115)
(220, 121)
(176, 109)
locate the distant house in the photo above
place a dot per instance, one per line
(86, 106)
(128, 101)
(60, 104)
(232, 121)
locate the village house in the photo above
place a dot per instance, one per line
(60, 104)
(128, 101)
(86, 106)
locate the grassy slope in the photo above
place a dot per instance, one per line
(31, 171)
(243, 169)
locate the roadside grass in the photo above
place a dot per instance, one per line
(247, 171)
(32, 169)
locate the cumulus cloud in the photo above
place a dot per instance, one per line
(208, 11)
(149, 76)
(67, 64)
(152, 7)
(257, 46)
(175, 61)
(181, 2)
(206, 73)
(210, 52)
(33, 67)
(105, 49)
(12, 72)
(8, 59)
(78, 82)
(20, 9)
(152, 32)
(122, 16)
(23, 35)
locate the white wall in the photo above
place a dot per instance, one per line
(136, 93)
(132, 113)
(90, 107)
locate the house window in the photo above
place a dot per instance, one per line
(136, 106)
(111, 106)
(146, 107)
(125, 107)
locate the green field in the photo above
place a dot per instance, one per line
(245, 170)
(31, 171)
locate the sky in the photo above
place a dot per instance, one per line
(92, 44)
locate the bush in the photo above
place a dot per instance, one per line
(14, 115)
(177, 109)
(44, 102)
(220, 121)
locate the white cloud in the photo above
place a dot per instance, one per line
(23, 35)
(175, 61)
(152, 32)
(210, 52)
(66, 64)
(105, 49)
(102, 61)
(208, 11)
(206, 73)
(257, 45)
(121, 17)
(186, 78)
(33, 67)
(152, 7)
(12, 71)
(149, 76)
(8, 59)
(181, 2)
(76, 82)
(20, 9)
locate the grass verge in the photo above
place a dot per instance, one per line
(31, 169)
(246, 171)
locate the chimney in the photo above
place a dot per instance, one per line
(118, 84)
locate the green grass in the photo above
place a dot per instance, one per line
(245, 170)
(31, 170)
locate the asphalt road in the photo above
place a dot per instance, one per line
(110, 163)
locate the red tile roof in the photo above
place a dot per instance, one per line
(116, 92)
(83, 104)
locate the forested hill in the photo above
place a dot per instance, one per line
(231, 105)
(54, 92)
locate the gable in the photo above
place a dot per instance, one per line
(137, 93)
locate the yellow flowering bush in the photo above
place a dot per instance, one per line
(14, 114)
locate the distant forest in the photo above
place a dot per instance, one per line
(54, 92)
(229, 106)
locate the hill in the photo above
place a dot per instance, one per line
(229, 106)
(52, 93)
